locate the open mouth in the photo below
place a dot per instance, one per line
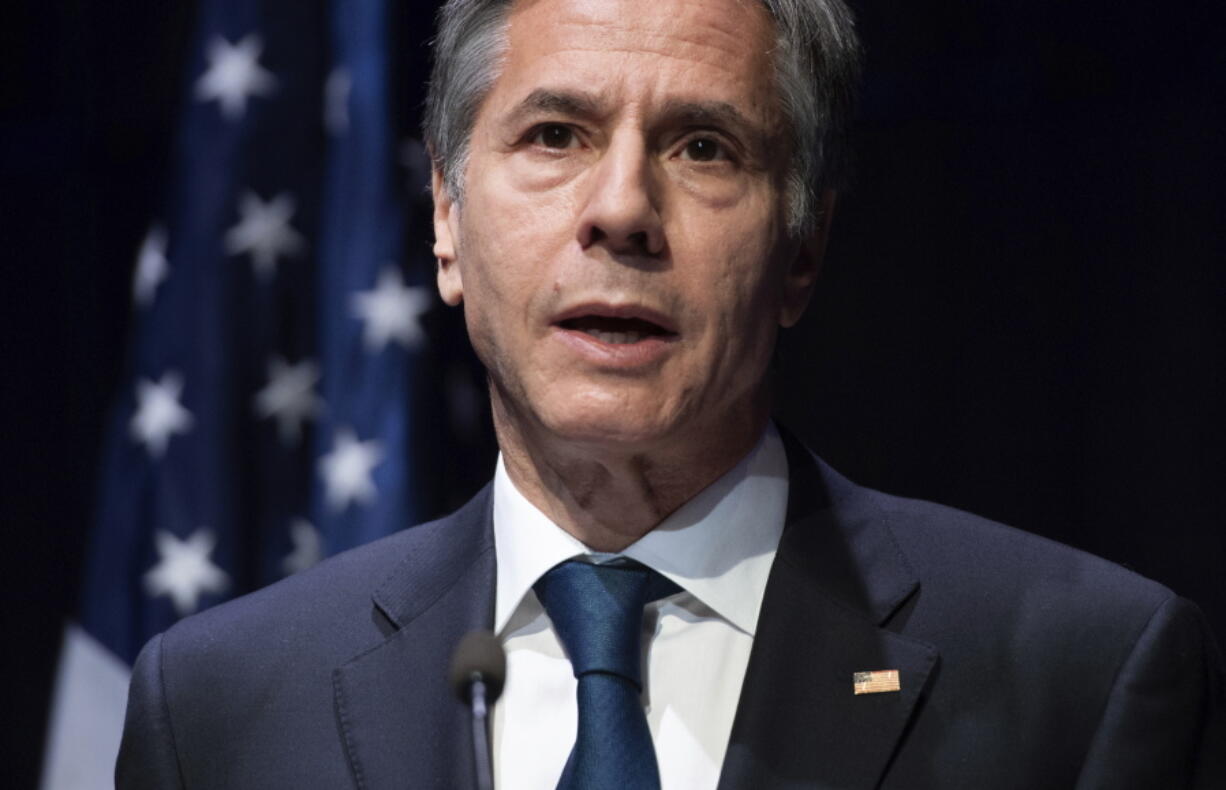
(615, 331)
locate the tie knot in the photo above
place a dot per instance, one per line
(597, 612)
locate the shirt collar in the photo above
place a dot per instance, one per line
(718, 546)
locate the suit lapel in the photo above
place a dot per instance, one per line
(401, 724)
(837, 578)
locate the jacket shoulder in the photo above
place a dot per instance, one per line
(218, 692)
(947, 546)
(328, 607)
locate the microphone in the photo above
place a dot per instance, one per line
(478, 673)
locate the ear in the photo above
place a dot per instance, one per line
(806, 264)
(450, 283)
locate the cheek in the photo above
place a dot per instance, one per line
(519, 224)
(735, 265)
(544, 176)
(507, 260)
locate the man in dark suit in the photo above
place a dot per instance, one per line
(630, 199)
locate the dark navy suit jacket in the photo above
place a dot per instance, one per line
(1023, 664)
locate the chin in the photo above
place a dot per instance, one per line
(607, 428)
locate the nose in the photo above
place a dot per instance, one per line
(621, 210)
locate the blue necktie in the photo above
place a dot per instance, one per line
(597, 612)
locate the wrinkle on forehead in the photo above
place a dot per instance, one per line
(684, 44)
(712, 34)
(705, 30)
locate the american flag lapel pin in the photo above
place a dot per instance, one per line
(877, 682)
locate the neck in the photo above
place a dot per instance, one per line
(608, 496)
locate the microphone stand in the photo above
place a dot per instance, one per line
(478, 672)
(481, 746)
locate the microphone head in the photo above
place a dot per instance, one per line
(478, 657)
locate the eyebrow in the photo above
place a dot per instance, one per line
(544, 101)
(680, 112)
(718, 114)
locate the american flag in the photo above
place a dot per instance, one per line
(293, 385)
(875, 682)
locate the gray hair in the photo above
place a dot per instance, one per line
(817, 64)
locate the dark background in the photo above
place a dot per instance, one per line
(1023, 311)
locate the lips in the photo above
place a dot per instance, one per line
(617, 324)
(614, 330)
(623, 336)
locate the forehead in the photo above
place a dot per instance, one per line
(642, 50)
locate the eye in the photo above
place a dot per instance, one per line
(704, 149)
(554, 135)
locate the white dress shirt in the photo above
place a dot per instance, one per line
(718, 548)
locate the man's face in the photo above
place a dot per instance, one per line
(620, 248)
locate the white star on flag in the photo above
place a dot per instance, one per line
(151, 266)
(233, 74)
(159, 415)
(346, 470)
(391, 311)
(184, 570)
(308, 547)
(264, 231)
(336, 100)
(290, 396)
